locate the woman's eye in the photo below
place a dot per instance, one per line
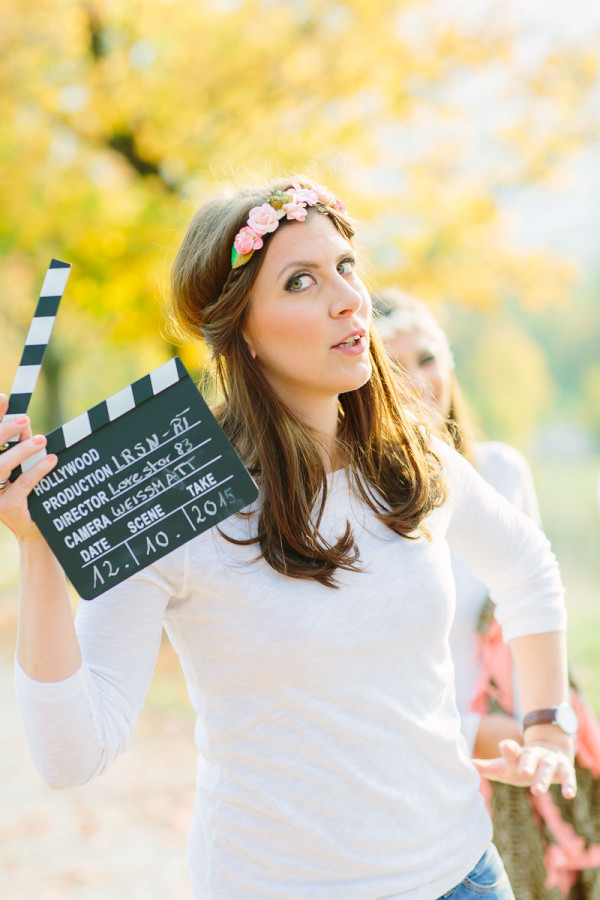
(299, 282)
(426, 360)
(346, 266)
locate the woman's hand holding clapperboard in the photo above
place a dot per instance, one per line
(136, 476)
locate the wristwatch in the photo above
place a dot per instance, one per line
(562, 715)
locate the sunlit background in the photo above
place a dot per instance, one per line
(464, 137)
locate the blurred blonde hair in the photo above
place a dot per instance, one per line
(397, 475)
(396, 311)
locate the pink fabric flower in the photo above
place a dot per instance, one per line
(325, 195)
(246, 240)
(296, 208)
(306, 195)
(263, 219)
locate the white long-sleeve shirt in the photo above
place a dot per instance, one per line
(330, 759)
(508, 472)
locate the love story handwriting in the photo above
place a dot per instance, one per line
(138, 487)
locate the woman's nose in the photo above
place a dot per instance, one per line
(347, 300)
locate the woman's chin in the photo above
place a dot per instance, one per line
(355, 384)
(358, 378)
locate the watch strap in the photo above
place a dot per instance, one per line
(540, 717)
(562, 715)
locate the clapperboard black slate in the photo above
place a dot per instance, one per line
(137, 476)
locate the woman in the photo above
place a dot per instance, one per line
(486, 695)
(312, 628)
(416, 341)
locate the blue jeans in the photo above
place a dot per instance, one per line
(487, 879)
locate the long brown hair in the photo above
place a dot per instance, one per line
(384, 448)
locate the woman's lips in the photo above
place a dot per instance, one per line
(353, 348)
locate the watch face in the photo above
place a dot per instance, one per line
(566, 718)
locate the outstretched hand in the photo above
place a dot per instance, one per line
(536, 766)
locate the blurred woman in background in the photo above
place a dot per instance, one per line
(543, 854)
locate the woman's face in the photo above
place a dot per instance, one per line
(425, 366)
(308, 322)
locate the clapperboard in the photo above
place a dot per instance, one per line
(138, 475)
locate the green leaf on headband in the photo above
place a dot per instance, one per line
(237, 260)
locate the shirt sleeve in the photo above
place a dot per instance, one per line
(509, 472)
(75, 728)
(505, 549)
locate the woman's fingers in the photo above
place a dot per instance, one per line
(544, 766)
(14, 510)
(18, 445)
(504, 767)
(17, 453)
(568, 779)
(17, 427)
(13, 428)
(25, 483)
(490, 768)
(511, 751)
(533, 766)
(544, 775)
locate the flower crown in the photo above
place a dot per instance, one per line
(264, 219)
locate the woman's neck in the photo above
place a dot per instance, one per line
(322, 419)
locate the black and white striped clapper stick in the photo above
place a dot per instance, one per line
(37, 340)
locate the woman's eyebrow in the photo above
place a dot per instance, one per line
(304, 264)
(300, 264)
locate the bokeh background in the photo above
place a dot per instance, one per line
(464, 137)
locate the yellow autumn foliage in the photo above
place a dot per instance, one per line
(116, 119)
